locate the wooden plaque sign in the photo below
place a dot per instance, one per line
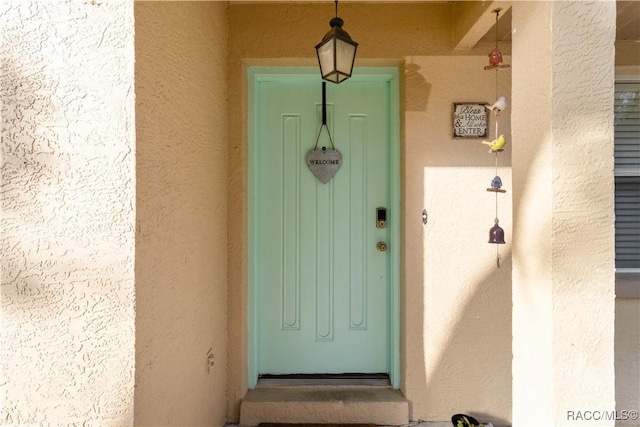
(470, 120)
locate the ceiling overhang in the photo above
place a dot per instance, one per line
(473, 20)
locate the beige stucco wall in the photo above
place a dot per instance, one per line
(67, 213)
(456, 305)
(563, 254)
(69, 309)
(181, 292)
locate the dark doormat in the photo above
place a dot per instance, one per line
(315, 425)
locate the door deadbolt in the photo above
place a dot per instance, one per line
(381, 218)
(382, 246)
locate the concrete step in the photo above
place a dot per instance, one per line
(324, 405)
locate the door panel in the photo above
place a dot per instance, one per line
(322, 288)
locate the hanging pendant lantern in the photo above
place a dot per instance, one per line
(496, 234)
(336, 52)
(495, 56)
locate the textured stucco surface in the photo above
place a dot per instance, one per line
(67, 212)
(181, 213)
(563, 290)
(68, 206)
(456, 299)
(456, 305)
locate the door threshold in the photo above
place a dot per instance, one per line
(319, 380)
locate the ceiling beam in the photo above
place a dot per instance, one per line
(473, 19)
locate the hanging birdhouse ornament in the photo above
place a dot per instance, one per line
(496, 185)
(495, 56)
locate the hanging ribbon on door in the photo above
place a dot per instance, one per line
(325, 162)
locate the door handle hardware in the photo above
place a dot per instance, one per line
(382, 246)
(381, 218)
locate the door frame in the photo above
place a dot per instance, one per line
(257, 74)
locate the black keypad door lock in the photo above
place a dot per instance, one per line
(381, 218)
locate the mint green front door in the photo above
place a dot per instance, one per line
(322, 289)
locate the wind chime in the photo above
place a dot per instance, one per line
(496, 233)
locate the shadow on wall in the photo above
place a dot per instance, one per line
(461, 310)
(25, 176)
(417, 98)
(65, 221)
(457, 300)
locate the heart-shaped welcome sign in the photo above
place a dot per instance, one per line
(324, 164)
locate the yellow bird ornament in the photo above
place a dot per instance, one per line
(497, 144)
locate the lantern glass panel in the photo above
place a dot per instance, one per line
(325, 57)
(345, 54)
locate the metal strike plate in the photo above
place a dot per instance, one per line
(381, 218)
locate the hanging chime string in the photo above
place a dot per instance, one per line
(496, 99)
(497, 15)
(496, 118)
(495, 114)
(497, 246)
(324, 117)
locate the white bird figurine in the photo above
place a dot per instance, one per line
(497, 106)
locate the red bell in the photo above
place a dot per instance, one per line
(496, 234)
